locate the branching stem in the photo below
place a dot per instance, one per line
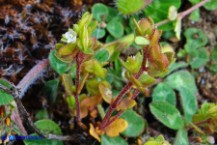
(184, 13)
(106, 120)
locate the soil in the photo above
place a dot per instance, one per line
(29, 29)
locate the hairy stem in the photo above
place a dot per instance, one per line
(79, 59)
(115, 117)
(31, 77)
(113, 105)
(135, 94)
(190, 10)
(184, 13)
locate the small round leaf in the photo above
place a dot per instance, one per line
(136, 124)
(167, 114)
(105, 140)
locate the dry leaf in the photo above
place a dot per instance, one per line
(126, 103)
(115, 128)
(94, 133)
(88, 103)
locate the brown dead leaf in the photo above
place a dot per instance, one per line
(88, 103)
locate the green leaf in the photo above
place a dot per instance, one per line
(178, 27)
(42, 114)
(5, 83)
(59, 66)
(46, 126)
(167, 114)
(177, 65)
(181, 137)
(115, 28)
(182, 79)
(211, 5)
(128, 7)
(100, 11)
(163, 92)
(109, 38)
(71, 101)
(101, 55)
(195, 15)
(195, 38)
(5, 98)
(213, 56)
(105, 140)
(139, 40)
(199, 57)
(159, 140)
(50, 89)
(172, 14)
(112, 13)
(136, 123)
(133, 63)
(158, 10)
(98, 33)
(189, 104)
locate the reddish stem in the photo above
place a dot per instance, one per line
(113, 105)
(135, 94)
(190, 10)
(79, 59)
(115, 117)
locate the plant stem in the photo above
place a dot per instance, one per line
(79, 59)
(114, 104)
(82, 82)
(115, 117)
(190, 10)
(135, 94)
(184, 13)
(31, 77)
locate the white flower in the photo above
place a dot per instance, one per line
(69, 37)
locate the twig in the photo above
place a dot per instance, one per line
(31, 125)
(26, 118)
(15, 117)
(18, 91)
(31, 76)
(190, 10)
(184, 13)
